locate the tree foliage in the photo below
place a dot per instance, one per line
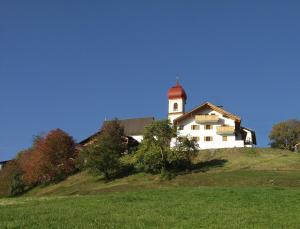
(51, 158)
(285, 135)
(183, 153)
(154, 152)
(103, 156)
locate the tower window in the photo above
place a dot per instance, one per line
(224, 138)
(175, 106)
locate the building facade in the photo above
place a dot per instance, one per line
(209, 125)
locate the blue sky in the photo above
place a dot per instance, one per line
(71, 64)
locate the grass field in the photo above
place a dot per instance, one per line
(200, 207)
(237, 188)
(221, 168)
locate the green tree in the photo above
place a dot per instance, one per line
(11, 183)
(104, 155)
(17, 184)
(285, 135)
(183, 153)
(152, 154)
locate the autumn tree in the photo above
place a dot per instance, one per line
(51, 158)
(285, 135)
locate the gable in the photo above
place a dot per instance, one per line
(207, 106)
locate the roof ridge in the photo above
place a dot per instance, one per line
(214, 107)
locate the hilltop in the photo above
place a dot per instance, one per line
(239, 167)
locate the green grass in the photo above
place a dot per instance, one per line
(198, 207)
(232, 188)
(225, 168)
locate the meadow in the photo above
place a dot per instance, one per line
(237, 188)
(197, 207)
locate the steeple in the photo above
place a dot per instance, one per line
(177, 99)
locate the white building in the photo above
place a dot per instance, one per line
(211, 126)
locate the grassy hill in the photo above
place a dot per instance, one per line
(236, 188)
(183, 207)
(224, 168)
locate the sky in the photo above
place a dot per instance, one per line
(73, 64)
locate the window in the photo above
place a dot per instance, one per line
(181, 127)
(175, 107)
(224, 138)
(208, 127)
(208, 138)
(195, 127)
(196, 139)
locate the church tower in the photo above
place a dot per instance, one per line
(177, 99)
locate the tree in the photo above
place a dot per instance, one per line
(104, 155)
(285, 135)
(10, 179)
(51, 158)
(183, 153)
(152, 154)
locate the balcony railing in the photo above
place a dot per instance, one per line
(206, 119)
(223, 130)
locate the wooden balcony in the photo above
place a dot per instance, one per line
(206, 119)
(224, 130)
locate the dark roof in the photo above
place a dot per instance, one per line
(4, 162)
(134, 126)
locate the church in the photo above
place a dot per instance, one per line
(209, 125)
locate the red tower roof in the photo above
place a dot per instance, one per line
(177, 92)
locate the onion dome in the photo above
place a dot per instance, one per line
(177, 92)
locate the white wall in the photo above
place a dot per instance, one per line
(232, 140)
(248, 137)
(138, 138)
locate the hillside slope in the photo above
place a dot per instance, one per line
(227, 167)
